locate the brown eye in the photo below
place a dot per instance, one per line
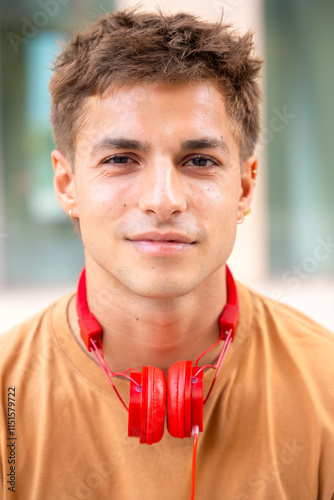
(117, 160)
(201, 161)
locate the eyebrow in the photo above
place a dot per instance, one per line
(119, 143)
(192, 144)
(206, 143)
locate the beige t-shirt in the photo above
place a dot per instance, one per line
(268, 424)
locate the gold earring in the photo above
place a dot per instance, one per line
(243, 214)
(70, 214)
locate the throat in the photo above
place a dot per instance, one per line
(160, 340)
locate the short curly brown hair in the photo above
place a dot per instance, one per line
(140, 47)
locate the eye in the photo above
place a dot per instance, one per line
(202, 161)
(118, 160)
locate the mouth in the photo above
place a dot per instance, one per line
(162, 244)
(163, 237)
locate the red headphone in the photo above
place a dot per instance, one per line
(149, 391)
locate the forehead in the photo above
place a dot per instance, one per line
(157, 111)
(196, 97)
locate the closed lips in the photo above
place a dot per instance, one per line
(168, 237)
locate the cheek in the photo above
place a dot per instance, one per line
(217, 200)
(100, 209)
(103, 200)
(219, 204)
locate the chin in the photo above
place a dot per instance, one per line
(161, 289)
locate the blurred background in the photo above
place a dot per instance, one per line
(285, 248)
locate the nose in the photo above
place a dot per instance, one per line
(162, 191)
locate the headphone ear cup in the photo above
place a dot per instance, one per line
(179, 399)
(147, 406)
(156, 405)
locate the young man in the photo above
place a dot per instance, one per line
(155, 121)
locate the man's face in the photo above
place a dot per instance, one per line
(157, 187)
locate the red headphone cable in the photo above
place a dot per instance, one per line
(195, 429)
(195, 433)
(219, 362)
(98, 353)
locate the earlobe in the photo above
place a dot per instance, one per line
(63, 183)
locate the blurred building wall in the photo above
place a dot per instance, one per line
(2, 204)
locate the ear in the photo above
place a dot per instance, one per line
(248, 177)
(63, 183)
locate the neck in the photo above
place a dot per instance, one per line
(140, 331)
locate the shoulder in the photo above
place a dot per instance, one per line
(23, 342)
(294, 344)
(278, 317)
